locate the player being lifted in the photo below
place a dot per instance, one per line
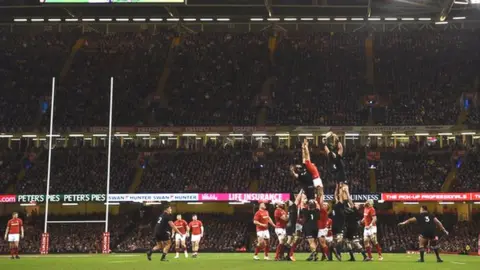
(307, 174)
(162, 233)
(261, 221)
(311, 214)
(180, 238)
(196, 227)
(13, 233)
(352, 237)
(336, 165)
(428, 224)
(370, 231)
(294, 225)
(281, 219)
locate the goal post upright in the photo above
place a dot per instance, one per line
(106, 234)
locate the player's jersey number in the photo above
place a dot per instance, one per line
(159, 220)
(311, 216)
(427, 219)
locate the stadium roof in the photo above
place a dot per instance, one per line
(244, 10)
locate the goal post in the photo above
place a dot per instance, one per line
(45, 238)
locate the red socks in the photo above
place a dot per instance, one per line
(257, 249)
(278, 251)
(369, 252)
(267, 246)
(379, 250)
(325, 251)
(292, 250)
(12, 251)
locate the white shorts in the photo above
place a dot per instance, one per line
(298, 227)
(196, 238)
(263, 234)
(329, 239)
(179, 237)
(323, 232)
(14, 237)
(317, 182)
(280, 232)
(372, 231)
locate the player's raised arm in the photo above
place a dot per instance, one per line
(305, 151)
(408, 221)
(339, 145)
(21, 230)
(298, 199)
(292, 171)
(440, 225)
(174, 228)
(201, 228)
(337, 197)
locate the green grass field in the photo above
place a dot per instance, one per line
(228, 261)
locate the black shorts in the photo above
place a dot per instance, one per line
(290, 230)
(162, 236)
(339, 177)
(309, 192)
(338, 229)
(428, 235)
(311, 232)
(351, 233)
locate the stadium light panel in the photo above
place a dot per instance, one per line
(88, 20)
(459, 18)
(468, 133)
(421, 134)
(189, 135)
(206, 19)
(71, 20)
(236, 134)
(54, 20)
(105, 19)
(352, 134)
(194, 202)
(75, 135)
(408, 19)
(223, 19)
(122, 19)
(256, 19)
(99, 135)
(281, 134)
(399, 134)
(374, 19)
(446, 203)
(87, 139)
(305, 134)
(424, 19)
(290, 19)
(173, 19)
(156, 19)
(189, 19)
(29, 136)
(112, 203)
(375, 134)
(445, 134)
(259, 134)
(273, 19)
(69, 204)
(410, 203)
(165, 135)
(357, 19)
(441, 22)
(323, 19)
(390, 19)
(306, 19)
(463, 2)
(120, 135)
(340, 19)
(20, 20)
(475, 1)
(6, 136)
(37, 20)
(142, 135)
(213, 134)
(53, 135)
(139, 19)
(28, 204)
(236, 203)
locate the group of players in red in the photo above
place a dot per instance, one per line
(309, 215)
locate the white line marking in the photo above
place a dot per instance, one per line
(458, 263)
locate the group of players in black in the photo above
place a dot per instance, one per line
(304, 213)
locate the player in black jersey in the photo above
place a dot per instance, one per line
(292, 230)
(338, 224)
(162, 233)
(311, 214)
(336, 166)
(428, 224)
(305, 180)
(352, 236)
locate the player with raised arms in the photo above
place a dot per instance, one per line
(162, 233)
(294, 228)
(338, 224)
(322, 225)
(197, 230)
(281, 219)
(13, 233)
(370, 231)
(180, 239)
(428, 224)
(261, 221)
(336, 166)
(352, 236)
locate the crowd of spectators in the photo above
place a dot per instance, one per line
(221, 78)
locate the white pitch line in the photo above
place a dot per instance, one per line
(123, 261)
(458, 263)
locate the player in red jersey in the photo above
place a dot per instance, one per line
(196, 227)
(322, 226)
(180, 239)
(312, 169)
(13, 234)
(261, 221)
(281, 219)
(370, 231)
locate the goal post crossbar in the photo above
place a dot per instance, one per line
(75, 221)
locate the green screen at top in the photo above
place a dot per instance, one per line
(111, 1)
